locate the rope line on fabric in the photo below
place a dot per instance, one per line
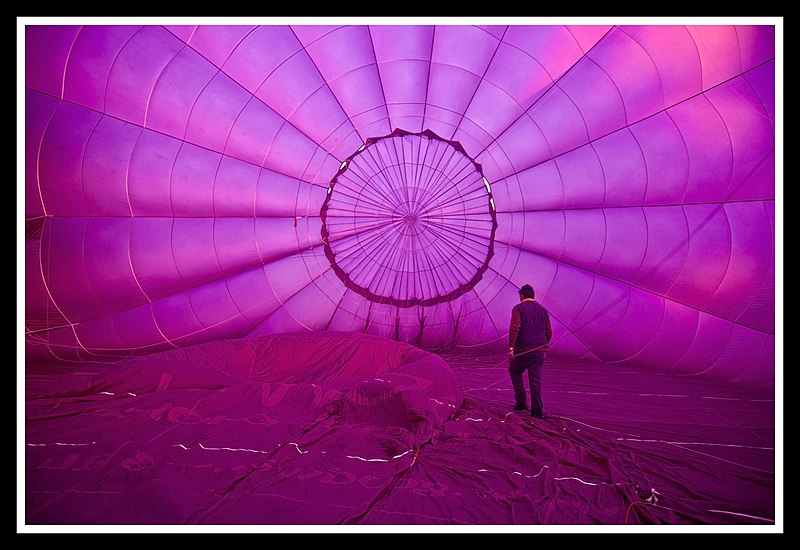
(634, 503)
(651, 500)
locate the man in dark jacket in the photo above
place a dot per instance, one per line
(528, 339)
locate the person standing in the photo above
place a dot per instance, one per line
(528, 343)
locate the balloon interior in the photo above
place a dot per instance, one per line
(269, 272)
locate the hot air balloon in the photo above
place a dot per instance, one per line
(326, 226)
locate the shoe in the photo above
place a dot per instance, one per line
(533, 414)
(520, 407)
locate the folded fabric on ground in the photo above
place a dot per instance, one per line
(341, 428)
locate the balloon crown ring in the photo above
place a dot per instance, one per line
(409, 220)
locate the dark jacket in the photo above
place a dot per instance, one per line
(530, 327)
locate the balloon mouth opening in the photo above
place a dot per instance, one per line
(409, 220)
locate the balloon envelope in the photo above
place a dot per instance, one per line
(185, 184)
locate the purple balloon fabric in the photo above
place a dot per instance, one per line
(348, 429)
(269, 271)
(178, 180)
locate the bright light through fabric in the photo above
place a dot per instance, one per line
(185, 184)
(270, 272)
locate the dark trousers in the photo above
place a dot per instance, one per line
(531, 361)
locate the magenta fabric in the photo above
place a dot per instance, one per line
(333, 428)
(194, 191)
(630, 169)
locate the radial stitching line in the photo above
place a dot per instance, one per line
(85, 233)
(772, 262)
(665, 110)
(643, 206)
(650, 57)
(428, 79)
(655, 268)
(543, 94)
(380, 80)
(481, 80)
(66, 62)
(113, 63)
(251, 94)
(288, 254)
(326, 84)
